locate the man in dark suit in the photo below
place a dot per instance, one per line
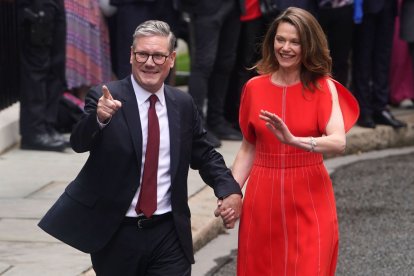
(214, 33)
(42, 37)
(371, 63)
(104, 211)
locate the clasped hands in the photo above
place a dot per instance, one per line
(229, 210)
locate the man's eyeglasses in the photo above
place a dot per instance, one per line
(158, 59)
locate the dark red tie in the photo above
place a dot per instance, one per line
(147, 201)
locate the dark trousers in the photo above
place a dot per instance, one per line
(127, 19)
(338, 26)
(214, 40)
(248, 53)
(371, 60)
(411, 49)
(42, 67)
(155, 251)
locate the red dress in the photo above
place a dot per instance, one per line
(288, 224)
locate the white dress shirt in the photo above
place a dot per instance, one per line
(163, 176)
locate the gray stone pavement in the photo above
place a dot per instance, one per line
(30, 181)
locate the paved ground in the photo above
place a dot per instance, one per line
(376, 214)
(374, 199)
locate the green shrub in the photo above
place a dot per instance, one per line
(182, 69)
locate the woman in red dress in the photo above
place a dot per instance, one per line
(290, 116)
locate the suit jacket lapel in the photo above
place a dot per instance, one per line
(174, 125)
(131, 114)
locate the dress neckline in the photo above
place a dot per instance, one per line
(280, 85)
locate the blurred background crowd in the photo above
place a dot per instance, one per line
(67, 46)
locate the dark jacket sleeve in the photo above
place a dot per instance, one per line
(87, 129)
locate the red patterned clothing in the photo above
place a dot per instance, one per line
(88, 59)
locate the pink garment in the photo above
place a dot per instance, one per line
(401, 71)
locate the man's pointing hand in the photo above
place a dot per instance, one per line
(107, 106)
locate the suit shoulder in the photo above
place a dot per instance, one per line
(126, 82)
(177, 93)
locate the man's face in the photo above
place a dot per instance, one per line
(150, 75)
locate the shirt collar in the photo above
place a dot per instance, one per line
(143, 95)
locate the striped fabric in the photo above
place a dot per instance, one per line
(87, 44)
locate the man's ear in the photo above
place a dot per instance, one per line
(173, 56)
(131, 56)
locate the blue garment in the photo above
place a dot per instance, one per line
(358, 12)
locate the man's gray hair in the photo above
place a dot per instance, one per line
(155, 28)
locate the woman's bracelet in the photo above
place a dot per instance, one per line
(312, 143)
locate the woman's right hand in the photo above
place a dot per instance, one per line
(276, 125)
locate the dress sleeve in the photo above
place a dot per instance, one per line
(245, 117)
(347, 102)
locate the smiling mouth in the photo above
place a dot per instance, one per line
(286, 56)
(150, 72)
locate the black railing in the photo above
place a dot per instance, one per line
(9, 54)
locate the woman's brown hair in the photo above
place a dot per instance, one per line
(316, 60)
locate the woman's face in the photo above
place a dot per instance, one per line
(287, 47)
